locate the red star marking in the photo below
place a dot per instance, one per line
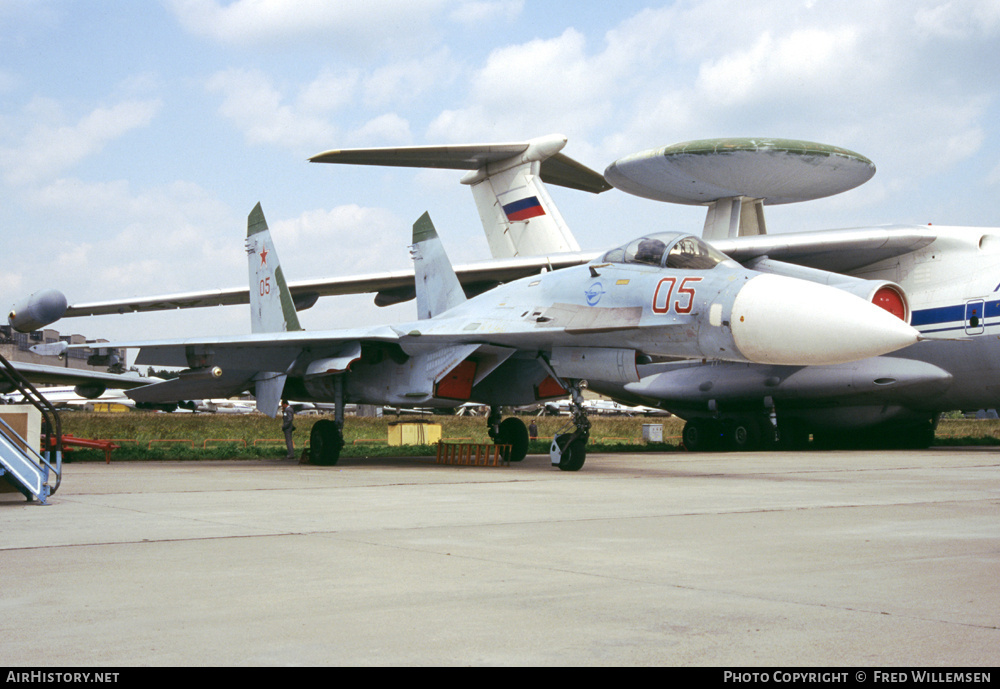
(263, 256)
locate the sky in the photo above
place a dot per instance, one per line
(135, 137)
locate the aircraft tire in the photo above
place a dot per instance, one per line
(325, 442)
(698, 435)
(742, 434)
(573, 455)
(513, 432)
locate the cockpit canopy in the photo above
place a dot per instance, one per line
(668, 249)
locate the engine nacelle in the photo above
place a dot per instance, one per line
(90, 391)
(37, 311)
(883, 293)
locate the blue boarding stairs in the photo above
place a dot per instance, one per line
(35, 475)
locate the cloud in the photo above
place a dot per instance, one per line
(119, 242)
(403, 82)
(259, 110)
(384, 130)
(337, 232)
(993, 178)
(543, 86)
(477, 13)
(266, 114)
(958, 19)
(867, 76)
(330, 91)
(49, 148)
(351, 26)
(806, 62)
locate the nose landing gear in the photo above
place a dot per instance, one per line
(569, 450)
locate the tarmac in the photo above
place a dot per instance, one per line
(846, 559)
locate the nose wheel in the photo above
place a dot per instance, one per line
(569, 450)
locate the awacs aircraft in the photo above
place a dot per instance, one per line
(662, 295)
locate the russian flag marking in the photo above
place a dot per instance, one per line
(523, 209)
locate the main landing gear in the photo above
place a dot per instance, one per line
(569, 450)
(730, 434)
(510, 431)
(755, 432)
(327, 437)
(325, 442)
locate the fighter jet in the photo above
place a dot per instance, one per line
(537, 338)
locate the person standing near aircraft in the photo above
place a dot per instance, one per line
(287, 420)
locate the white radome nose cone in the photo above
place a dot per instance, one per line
(782, 320)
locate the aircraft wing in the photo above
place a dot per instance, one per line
(391, 287)
(833, 250)
(58, 375)
(227, 366)
(262, 351)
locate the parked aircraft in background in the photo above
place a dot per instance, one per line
(74, 387)
(87, 384)
(63, 397)
(662, 295)
(602, 406)
(225, 406)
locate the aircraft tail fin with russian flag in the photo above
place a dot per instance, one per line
(508, 184)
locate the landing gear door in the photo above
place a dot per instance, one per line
(975, 322)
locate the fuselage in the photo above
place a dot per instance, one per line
(954, 289)
(664, 295)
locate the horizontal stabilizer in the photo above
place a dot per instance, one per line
(556, 169)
